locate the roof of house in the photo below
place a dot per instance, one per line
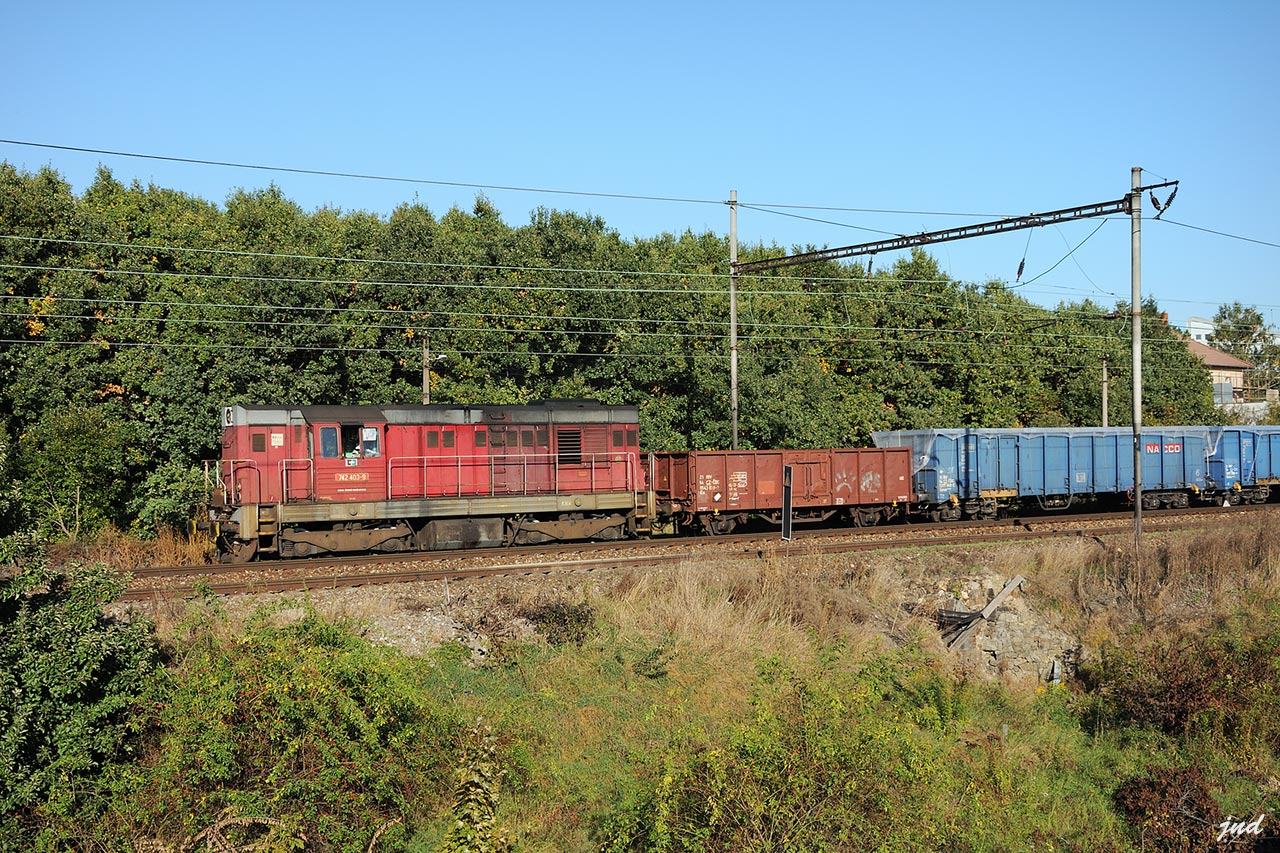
(1214, 358)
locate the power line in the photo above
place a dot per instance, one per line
(1069, 342)
(763, 209)
(710, 277)
(852, 334)
(1067, 255)
(468, 185)
(411, 351)
(1222, 233)
(359, 176)
(532, 286)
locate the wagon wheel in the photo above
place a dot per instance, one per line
(720, 525)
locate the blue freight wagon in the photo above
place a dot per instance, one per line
(973, 472)
(1245, 464)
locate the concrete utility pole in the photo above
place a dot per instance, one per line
(1105, 389)
(426, 370)
(1135, 216)
(733, 313)
(1130, 204)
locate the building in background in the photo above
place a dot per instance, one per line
(1226, 372)
(1199, 329)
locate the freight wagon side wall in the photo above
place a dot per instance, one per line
(1001, 463)
(1248, 456)
(727, 481)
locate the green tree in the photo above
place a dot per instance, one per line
(77, 466)
(1242, 331)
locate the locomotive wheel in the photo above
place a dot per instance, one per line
(239, 551)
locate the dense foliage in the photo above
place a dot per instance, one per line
(295, 718)
(71, 682)
(132, 314)
(290, 731)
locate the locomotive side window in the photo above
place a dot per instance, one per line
(481, 436)
(543, 441)
(448, 438)
(329, 442)
(497, 438)
(617, 438)
(369, 442)
(259, 442)
(433, 440)
(526, 438)
(633, 439)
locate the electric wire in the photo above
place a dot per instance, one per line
(749, 283)
(465, 184)
(1222, 233)
(762, 209)
(357, 175)
(413, 351)
(1067, 255)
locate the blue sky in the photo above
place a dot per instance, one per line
(986, 108)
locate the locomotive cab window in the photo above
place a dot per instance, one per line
(329, 442)
(360, 441)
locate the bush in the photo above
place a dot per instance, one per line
(1223, 685)
(295, 719)
(70, 679)
(561, 622)
(820, 766)
(168, 498)
(1170, 810)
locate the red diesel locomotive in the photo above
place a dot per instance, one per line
(296, 481)
(314, 479)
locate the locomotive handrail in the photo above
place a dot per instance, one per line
(250, 464)
(308, 465)
(489, 463)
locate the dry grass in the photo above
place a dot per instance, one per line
(771, 608)
(126, 552)
(1098, 590)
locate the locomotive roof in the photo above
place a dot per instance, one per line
(542, 412)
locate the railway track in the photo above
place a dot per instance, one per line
(363, 570)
